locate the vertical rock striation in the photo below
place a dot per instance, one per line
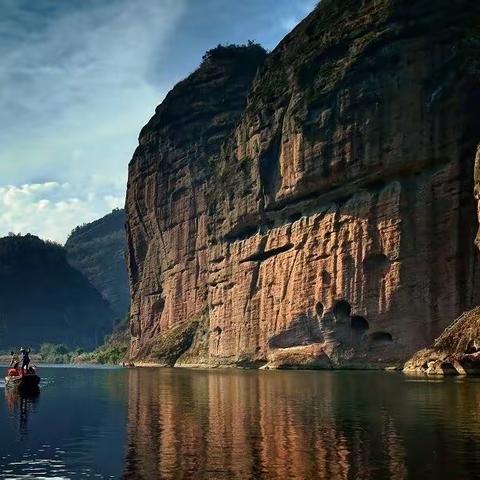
(329, 220)
(166, 198)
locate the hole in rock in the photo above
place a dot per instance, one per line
(381, 337)
(269, 224)
(470, 348)
(377, 262)
(177, 194)
(341, 310)
(262, 256)
(359, 323)
(326, 278)
(269, 165)
(241, 233)
(319, 309)
(157, 307)
(217, 330)
(294, 217)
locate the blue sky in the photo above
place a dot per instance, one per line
(79, 78)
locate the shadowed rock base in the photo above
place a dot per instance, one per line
(455, 352)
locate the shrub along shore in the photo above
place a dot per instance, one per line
(113, 352)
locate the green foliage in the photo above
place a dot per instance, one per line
(112, 220)
(43, 299)
(114, 350)
(58, 353)
(251, 49)
(112, 354)
(273, 83)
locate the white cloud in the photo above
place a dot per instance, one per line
(50, 209)
(74, 97)
(114, 202)
(80, 79)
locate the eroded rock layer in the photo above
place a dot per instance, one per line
(457, 350)
(327, 220)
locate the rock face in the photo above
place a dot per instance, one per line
(98, 250)
(332, 222)
(456, 351)
(169, 178)
(45, 300)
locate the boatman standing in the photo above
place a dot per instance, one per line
(14, 360)
(25, 359)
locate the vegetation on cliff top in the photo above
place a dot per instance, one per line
(250, 51)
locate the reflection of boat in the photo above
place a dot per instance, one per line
(22, 382)
(20, 403)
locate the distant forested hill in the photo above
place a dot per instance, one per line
(44, 299)
(97, 249)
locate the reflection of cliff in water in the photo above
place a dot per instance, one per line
(20, 406)
(299, 425)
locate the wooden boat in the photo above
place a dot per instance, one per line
(24, 383)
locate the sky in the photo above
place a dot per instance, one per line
(79, 78)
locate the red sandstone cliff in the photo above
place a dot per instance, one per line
(326, 220)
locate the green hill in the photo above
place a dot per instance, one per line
(97, 250)
(44, 299)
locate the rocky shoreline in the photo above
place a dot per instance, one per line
(455, 352)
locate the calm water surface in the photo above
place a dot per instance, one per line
(183, 424)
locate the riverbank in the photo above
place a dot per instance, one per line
(5, 358)
(113, 352)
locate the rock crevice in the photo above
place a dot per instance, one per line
(341, 171)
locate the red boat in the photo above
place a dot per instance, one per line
(23, 382)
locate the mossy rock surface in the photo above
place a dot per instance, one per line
(173, 343)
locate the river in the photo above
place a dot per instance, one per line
(233, 424)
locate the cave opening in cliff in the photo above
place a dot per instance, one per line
(359, 323)
(342, 310)
(270, 166)
(294, 217)
(326, 278)
(319, 309)
(241, 234)
(381, 337)
(377, 262)
(157, 307)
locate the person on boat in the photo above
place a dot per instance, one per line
(25, 359)
(14, 360)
